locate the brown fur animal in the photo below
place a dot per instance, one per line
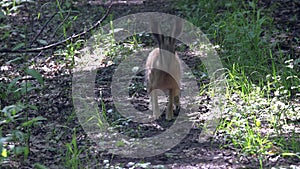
(164, 69)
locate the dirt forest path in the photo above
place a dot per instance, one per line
(49, 138)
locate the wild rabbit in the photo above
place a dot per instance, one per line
(164, 69)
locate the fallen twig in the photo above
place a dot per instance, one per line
(53, 34)
(60, 42)
(35, 38)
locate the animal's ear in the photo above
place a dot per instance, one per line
(155, 28)
(176, 31)
(177, 28)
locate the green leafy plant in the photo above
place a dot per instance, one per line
(15, 114)
(10, 6)
(73, 152)
(261, 86)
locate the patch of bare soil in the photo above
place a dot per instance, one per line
(48, 140)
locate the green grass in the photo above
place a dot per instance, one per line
(15, 121)
(72, 154)
(262, 81)
(262, 88)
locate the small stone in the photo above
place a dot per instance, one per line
(105, 161)
(130, 164)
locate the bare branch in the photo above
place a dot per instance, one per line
(60, 42)
(35, 38)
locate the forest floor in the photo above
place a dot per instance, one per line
(54, 101)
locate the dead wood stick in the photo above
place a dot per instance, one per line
(60, 42)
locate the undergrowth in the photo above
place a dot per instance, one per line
(262, 95)
(261, 107)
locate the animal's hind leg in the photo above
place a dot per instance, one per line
(177, 105)
(154, 102)
(170, 114)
